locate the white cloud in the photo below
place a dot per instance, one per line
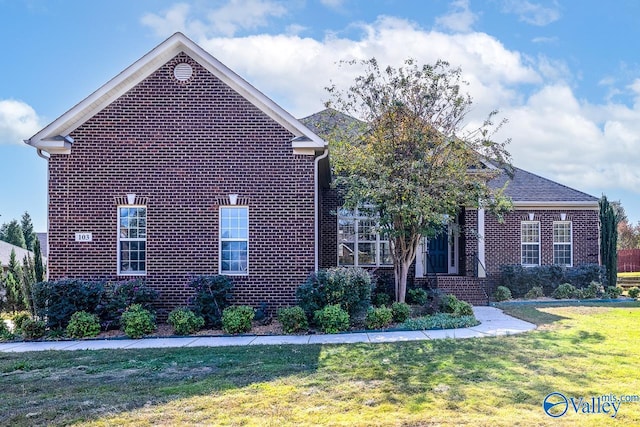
(591, 147)
(533, 13)
(332, 4)
(226, 20)
(459, 19)
(18, 121)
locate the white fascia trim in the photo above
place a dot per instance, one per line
(148, 64)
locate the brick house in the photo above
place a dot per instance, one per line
(178, 167)
(550, 224)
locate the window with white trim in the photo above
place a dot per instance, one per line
(359, 242)
(530, 242)
(234, 240)
(132, 240)
(562, 243)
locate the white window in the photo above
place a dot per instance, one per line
(132, 240)
(562, 247)
(234, 240)
(359, 243)
(530, 242)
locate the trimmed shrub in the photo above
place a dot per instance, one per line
(18, 319)
(634, 292)
(348, 287)
(212, 296)
(83, 324)
(237, 319)
(452, 305)
(5, 333)
(417, 296)
(401, 311)
(293, 319)
(120, 295)
(613, 292)
(57, 301)
(137, 321)
(502, 293)
(378, 317)
(184, 321)
(33, 329)
(381, 299)
(591, 291)
(440, 321)
(521, 279)
(535, 292)
(332, 319)
(564, 291)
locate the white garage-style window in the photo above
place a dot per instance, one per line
(562, 243)
(132, 240)
(234, 240)
(359, 242)
(530, 243)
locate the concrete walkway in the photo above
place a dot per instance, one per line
(493, 322)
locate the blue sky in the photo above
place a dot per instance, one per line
(564, 73)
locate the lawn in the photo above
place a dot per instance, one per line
(581, 351)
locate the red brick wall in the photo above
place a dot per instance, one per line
(183, 147)
(502, 240)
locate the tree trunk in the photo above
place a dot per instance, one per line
(401, 273)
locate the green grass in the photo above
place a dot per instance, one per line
(582, 351)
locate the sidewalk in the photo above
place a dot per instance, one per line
(493, 322)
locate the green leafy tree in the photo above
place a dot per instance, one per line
(410, 162)
(14, 294)
(27, 230)
(11, 232)
(28, 278)
(609, 219)
(38, 265)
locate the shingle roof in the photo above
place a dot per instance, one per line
(528, 187)
(523, 186)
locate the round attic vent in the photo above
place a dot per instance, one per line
(182, 72)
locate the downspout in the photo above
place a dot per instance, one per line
(41, 154)
(316, 202)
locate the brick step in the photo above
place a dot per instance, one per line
(469, 289)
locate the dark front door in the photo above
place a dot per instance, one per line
(438, 254)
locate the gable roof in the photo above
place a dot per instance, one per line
(525, 188)
(5, 253)
(55, 139)
(528, 189)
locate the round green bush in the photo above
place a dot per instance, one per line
(502, 293)
(5, 333)
(613, 292)
(564, 291)
(332, 319)
(136, 321)
(18, 319)
(237, 319)
(634, 292)
(83, 324)
(184, 321)
(417, 296)
(535, 292)
(381, 299)
(401, 311)
(293, 319)
(33, 329)
(378, 317)
(452, 305)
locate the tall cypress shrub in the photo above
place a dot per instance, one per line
(609, 239)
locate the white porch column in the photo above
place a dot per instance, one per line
(420, 260)
(480, 261)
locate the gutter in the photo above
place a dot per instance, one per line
(47, 158)
(316, 202)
